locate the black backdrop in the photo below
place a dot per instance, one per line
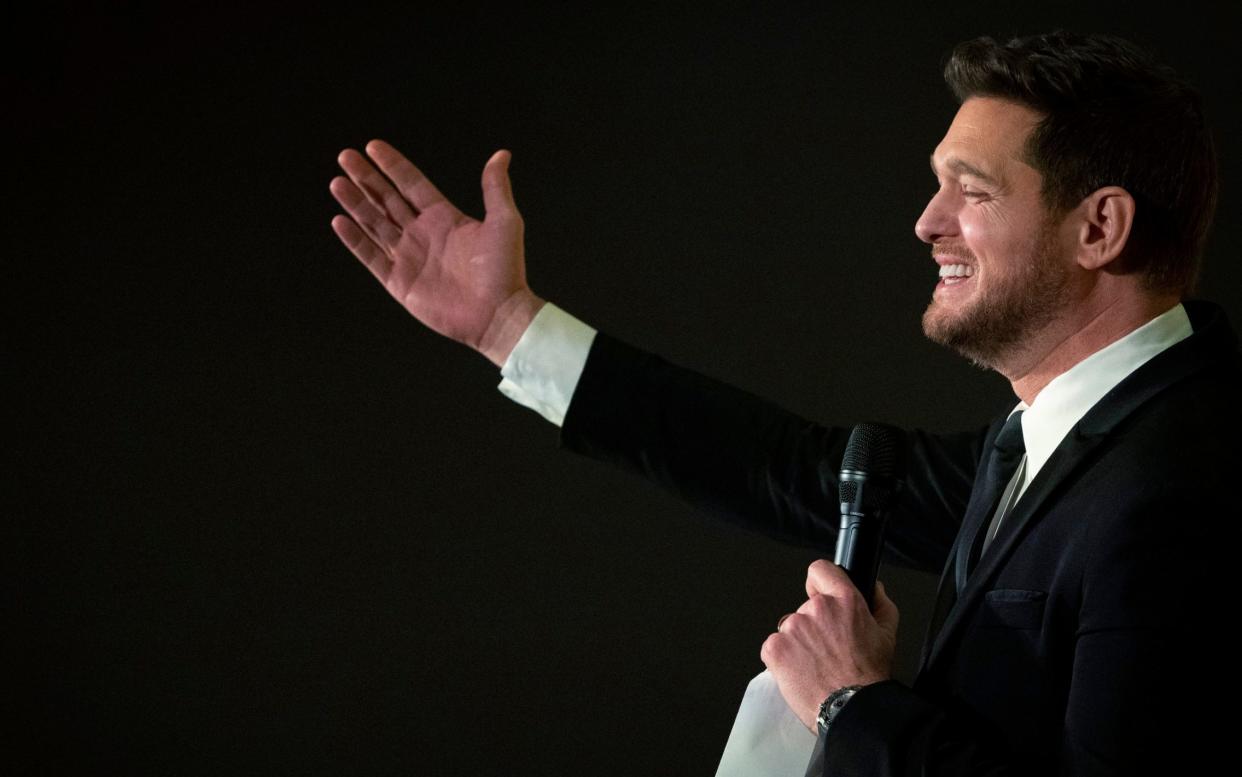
(262, 521)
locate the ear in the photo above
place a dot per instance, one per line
(1107, 215)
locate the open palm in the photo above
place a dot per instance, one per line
(452, 272)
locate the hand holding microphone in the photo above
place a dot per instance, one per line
(846, 631)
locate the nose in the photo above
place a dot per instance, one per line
(938, 220)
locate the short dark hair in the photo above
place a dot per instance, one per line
(1112, 117)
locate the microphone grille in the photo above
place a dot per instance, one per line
(874, 449)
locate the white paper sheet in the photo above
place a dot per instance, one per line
(767, 737)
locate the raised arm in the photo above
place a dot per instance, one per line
(463, 278)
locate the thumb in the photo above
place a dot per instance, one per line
(497, 191)
(885, 609)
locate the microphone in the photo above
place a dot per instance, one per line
(871, 475)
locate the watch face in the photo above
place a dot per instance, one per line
(831, 706)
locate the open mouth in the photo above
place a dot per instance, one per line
(955, 274)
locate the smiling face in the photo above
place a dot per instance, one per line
(1004, 271)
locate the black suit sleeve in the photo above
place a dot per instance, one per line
(744, 459)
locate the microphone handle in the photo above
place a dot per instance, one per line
(860, 542)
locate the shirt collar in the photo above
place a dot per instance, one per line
(1067, 397)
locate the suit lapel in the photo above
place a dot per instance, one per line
(978, 511)
(1067, 458)
(1211, 340)
(953, 577)
(946, 596)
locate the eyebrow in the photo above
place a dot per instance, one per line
(961, 166)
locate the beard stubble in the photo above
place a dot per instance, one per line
(1004, 316)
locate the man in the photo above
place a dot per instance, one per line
(1081, 539)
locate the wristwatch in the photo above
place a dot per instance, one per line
(832, 705)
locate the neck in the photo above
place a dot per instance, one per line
(1085, 328)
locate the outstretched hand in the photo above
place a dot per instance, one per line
(832, 641)
(462, 277)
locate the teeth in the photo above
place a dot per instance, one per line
(956, 270)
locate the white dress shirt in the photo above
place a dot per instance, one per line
(767, 737)
(542, 370)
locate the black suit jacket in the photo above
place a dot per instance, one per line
(1091, 638)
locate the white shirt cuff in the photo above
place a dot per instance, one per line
(543, 369)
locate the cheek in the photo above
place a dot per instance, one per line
(989, 239)
(979, 238)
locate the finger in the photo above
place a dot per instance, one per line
(374, 222)
(825, 577)
(815, 606)
(376, 187)
(497, 189)
(780, 641)
(371, 255)
(770, 651)
(413, 185)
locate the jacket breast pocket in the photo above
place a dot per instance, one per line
(1013, 608)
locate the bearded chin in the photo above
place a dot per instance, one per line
(994, 328)
(983, 334)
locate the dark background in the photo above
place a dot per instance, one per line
(263, 522)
